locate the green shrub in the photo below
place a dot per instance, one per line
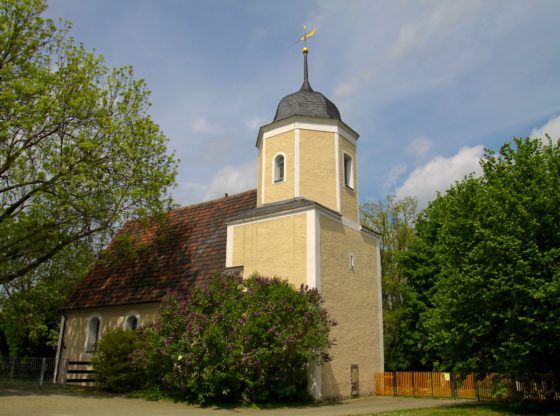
(237, 340)
(112, 361)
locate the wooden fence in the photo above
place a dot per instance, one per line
(446, 385)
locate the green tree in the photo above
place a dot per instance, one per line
(30, 305)
(113, 363)
(79, 154)
(394, 220)
(494, 242)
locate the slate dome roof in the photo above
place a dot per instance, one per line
(306, 102)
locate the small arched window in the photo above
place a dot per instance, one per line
(131, 323)
(94, 330)
(279, 163)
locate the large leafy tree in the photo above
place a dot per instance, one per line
(79, 154)
(394, 219)
(30, 305)
(491, 247)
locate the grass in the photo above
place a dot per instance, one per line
(478, 409)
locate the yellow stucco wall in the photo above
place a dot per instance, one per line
(352, 299)
(274, 247)
(259, 178)
(281, 143)
(77, 321)
(349, 197)
(318, 167)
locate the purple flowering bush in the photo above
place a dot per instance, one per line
(237, 339)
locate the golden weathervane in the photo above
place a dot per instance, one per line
(305, 37)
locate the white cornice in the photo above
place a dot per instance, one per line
(307, 123)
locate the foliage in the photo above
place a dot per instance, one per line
(493, 283)
(30, 305)
(237, 340)
(79, 154)
(112, 361)
(394, 220)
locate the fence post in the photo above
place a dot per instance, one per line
(394, 383)
(413, 385)
(42, 374)
(476, 387)
(12, 368)
(65, 372)
(432, 382)
(453, 387)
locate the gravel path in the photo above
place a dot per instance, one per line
(73, 402)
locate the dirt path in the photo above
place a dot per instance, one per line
(59, 402)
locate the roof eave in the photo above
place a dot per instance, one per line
(293, 119)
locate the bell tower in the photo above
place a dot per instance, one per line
(306, 229)
(309, 152)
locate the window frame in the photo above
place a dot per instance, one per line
(274, 168)
(127, 316)
(348, 170)
(91, 345)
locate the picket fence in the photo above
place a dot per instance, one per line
(436, 384)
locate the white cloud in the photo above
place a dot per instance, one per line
(201, 125)
(552, 128)
(439, 173)
(232, 179)
(420, 146)
(393, 175)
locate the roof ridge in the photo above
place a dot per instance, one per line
(213, 201)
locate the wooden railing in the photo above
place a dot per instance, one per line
(447, 385)
(78, 372)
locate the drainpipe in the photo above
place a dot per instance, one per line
(60, 345)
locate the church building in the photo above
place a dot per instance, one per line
(302, 223)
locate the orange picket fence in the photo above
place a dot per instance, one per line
(446, 385)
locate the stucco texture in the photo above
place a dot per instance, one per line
(352, 299)
(318, 167)
(273, 247)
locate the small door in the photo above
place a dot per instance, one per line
(355, 379)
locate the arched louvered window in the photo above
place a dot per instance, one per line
(279, 168)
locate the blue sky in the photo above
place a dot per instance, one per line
(426, 84)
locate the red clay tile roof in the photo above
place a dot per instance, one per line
(142, 262)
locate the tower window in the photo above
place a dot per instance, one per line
(94, 329)
(348, 171)
(279, 168)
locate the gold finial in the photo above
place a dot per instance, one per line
(306, 35)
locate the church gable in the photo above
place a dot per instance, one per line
(185, 247)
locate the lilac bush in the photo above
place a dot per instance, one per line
(237, 339)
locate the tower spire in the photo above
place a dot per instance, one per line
(305, 86)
